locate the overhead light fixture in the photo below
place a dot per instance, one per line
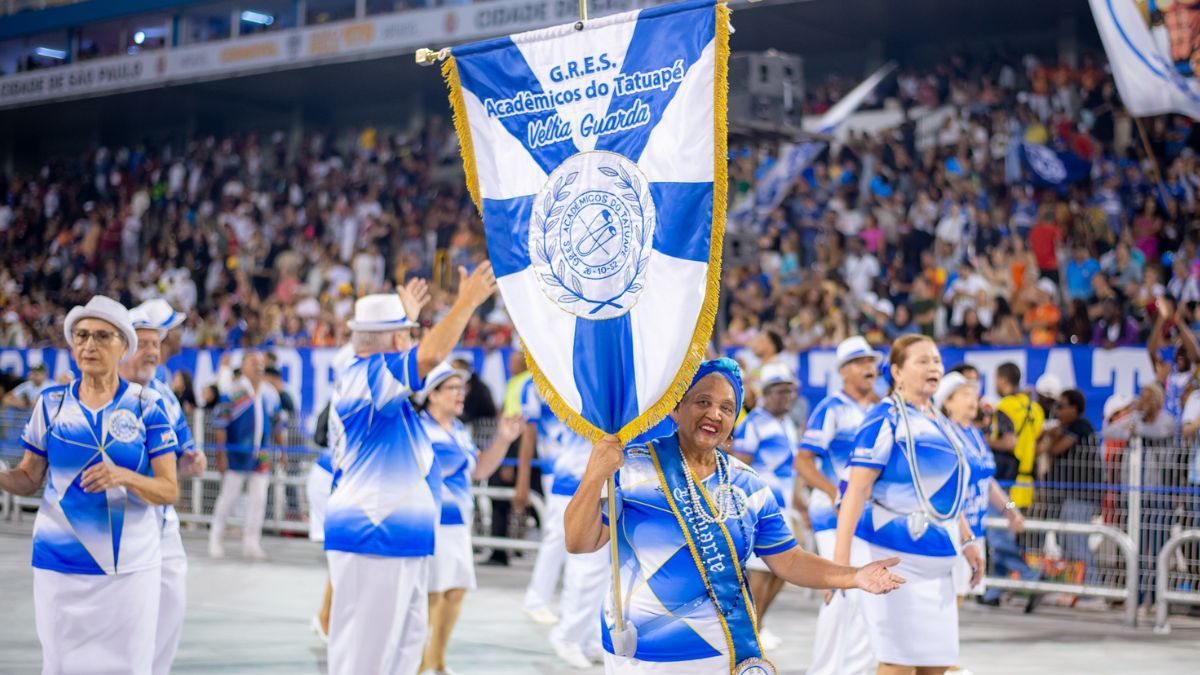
(50, 53)
(250, 16)
(139, 37)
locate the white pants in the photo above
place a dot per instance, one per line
(585, 580)
(380, 614)
(841, 645)
(256, 506)
(713, 665)
(172, 601)
(320, 484)
(94, 623)
(551, 556)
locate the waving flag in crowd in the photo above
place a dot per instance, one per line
(1154, 48)
(597, 158)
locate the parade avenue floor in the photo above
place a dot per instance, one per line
(254, 618)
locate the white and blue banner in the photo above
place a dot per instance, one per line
(597, 157)
(1154, 50)
(1049, 167)
(308, 373)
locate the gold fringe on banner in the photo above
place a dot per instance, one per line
(698, 346)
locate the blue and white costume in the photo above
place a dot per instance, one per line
(917, 624)
(172, 603)
(668, 562)
(983, 471)
(841, 644)
(97, 558)
(453, 558)
(568, 452)
(320, 474)
(771, 443)
(247, 416)
(381, 519)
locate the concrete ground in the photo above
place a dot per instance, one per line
(254, 617)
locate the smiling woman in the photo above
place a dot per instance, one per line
(690, 516)
(105, 452)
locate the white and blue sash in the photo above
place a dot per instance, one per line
(716, 559)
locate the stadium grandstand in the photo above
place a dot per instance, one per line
(263, 164)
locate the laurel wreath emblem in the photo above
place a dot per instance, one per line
(560, 278)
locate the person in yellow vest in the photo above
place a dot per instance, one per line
(1016, 426)
(1027, 419)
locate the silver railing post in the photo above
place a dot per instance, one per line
(1163, 594)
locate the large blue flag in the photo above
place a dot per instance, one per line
(597, 158)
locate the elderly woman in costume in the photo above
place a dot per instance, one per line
(958, 399)
(914, 471)
(452, 573)
(105, 451)
(689, 518)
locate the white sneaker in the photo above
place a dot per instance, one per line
(254, 553)
(769, 640)
(542, 615)
(572, 654)
(316, 628)
(216, 550)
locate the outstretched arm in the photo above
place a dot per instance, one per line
(799, 567)
(473, 291)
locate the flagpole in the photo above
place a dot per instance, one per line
(1158, 177)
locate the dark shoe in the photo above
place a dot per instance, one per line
(1032, 603)
(993, 602)
(498, 559)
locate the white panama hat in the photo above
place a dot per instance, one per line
(379, 313)
(108, 310)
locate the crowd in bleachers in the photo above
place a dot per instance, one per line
(268, 239)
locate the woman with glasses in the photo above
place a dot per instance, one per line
(452, 573)
(105, 452)
(911, 474)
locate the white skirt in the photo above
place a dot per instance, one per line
(916, 624)
(320, 484)
(962, 572)
(713, 665)
(453, 559)
(95, 623)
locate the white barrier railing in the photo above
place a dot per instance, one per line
(1165, 596)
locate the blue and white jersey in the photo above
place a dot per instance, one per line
(114, 532)
(248, 418)
(566, 450)
(665, 596)
(881, 444)
(983, 471)
(183, 434)
(387, 487)
(771, 443)
(456, 455)
(830, 437)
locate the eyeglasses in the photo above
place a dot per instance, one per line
(102, 337)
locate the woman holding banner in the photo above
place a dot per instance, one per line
(690, 516)
(911, 466)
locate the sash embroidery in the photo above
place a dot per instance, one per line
(715, 557)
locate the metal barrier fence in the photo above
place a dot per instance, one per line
(1109, 520)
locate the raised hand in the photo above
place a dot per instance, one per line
(877, 578)
(607, 456)
(415, 295)
(510, 428)
(478, 286)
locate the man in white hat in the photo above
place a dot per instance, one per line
(382, 516)
(767, 440)
(841, 644)
(142, 368)
(158, 313)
